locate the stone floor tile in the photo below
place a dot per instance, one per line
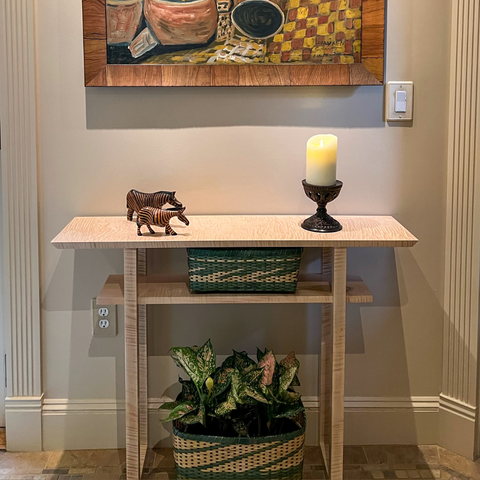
(413, 474)
(430, 453)
(313, 456)
(424, 473)
(164, 457)
(81, 471)
(375, 454)
(401, 474)
(108, 471)
(28, 462)
(377, 474)
(55, 471)
(436, 472)
(389, 474)
(354, 456)
(378, 467)
(456, 462)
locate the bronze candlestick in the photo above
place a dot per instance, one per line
(322, 222)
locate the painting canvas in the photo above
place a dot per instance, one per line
(341, 41)
(234, 31)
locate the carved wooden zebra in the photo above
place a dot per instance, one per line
(137, 200)
(161, 218)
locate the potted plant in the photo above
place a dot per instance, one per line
(240, 420)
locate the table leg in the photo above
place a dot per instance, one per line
(325, 368)
(339, 287)
(131, 364)
(143, 366)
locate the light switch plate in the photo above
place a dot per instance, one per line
(104, 320)
(391, 90)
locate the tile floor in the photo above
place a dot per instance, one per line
(371, 462)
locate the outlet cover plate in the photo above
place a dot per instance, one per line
(97, 331)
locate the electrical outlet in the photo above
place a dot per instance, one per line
(104, 320)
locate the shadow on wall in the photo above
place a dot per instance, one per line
(196, 107)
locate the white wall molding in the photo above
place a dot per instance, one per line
(456, 407)
(462, 248)
(65, 406)
(19, 190)
(96, 423)
(24, 417)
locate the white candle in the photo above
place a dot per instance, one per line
(322, 160)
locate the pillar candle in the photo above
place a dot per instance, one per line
(322, 160)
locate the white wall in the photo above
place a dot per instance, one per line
(239, 150)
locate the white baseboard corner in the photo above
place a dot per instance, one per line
(70, 424)
(457, 426)
(23, 419)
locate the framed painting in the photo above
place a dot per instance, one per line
(233, 42)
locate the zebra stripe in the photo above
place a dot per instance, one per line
(137, 200)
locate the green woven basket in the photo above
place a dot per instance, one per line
(257, 270)
(202, 457)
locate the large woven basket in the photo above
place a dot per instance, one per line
(257, 270)
(278, 457)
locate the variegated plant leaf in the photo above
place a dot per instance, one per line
(186, 358)
(169, 405)
(229, 362)
(261, 354)
(290, 411)
(240, 427)
(221, 381)
(253, 377)
(256, 394)
(226, 407)
(290, 361)
(289, 397)
(268, 365)
(237, 385)
(288, 370)
(295, 381)
(181, 410)
(189, 391)
(194, 417)
(243, 363)
(207, 360)
(286, 377)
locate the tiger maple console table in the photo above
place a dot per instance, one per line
(135, 289)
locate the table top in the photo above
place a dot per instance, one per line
(233, 231)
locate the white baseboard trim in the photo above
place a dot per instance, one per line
(457, 426)
(23, 419)
(456, 407)
(99, 423)
(63, 406)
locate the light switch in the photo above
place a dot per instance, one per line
(399, 101)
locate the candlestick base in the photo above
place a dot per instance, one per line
(322, 222)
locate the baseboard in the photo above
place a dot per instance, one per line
(457, 426)
(94, 423)
(23, 419)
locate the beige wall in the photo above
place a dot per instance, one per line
(234, 150)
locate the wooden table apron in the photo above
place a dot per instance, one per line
(239, 231)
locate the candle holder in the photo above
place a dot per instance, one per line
(322, 222)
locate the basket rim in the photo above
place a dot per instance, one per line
(244, 252)
(243, 440)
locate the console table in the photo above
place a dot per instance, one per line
(135, 289)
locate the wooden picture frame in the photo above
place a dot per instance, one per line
(98, 73)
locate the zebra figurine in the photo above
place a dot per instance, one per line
(161, 218)
(137, 200)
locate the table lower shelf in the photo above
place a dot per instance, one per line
(173, 290)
